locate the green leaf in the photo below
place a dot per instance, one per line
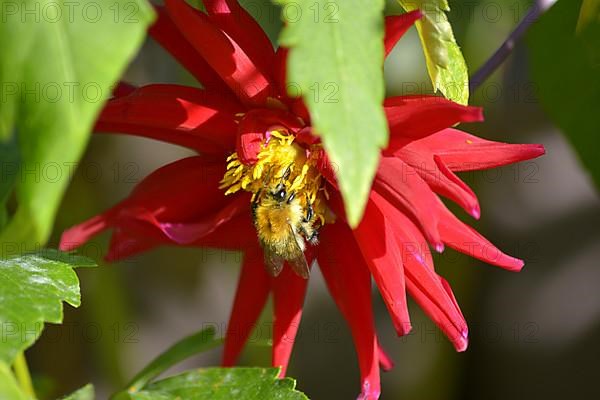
(185, 348)
(445, 62)
(85, 393)
(56, 72)
(9, 389)
(590, 10)
(10, 156)
(335, 63)
(32, 289)
(566, 70)
(222, 384)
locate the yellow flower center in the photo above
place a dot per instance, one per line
(281, 164)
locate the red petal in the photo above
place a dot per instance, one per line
(288, 297)
(180, 115)
(192, 231)
(237, 234)
(454, 188)
(419, 116)
(234, 20)
(440, 179)
(77, 235)
(223, 54)
(179, 191)
(123, 246)
(250, 298)
(255, 125)
(123, 89)
(467, 240)
(423, 296)
(132, 236)
(380, 251)
(400, 184)
(463, 152)
(165, 32)
(349, 282)
(423, 284)
(385, 361)
(280, 71)
(396, 26)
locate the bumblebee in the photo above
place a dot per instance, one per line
(284, 225)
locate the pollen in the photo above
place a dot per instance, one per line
(281, 161)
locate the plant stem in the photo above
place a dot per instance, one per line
(502, 53)
(23, 376)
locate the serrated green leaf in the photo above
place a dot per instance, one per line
(336, 54)
(222, 384)
(56, 72)
(85, 393)
(445, 62)
(32, 289)
(566, 69)
(185, 348)
(9, 389)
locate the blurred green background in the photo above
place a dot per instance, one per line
(533, 334)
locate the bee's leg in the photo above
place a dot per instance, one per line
(291, 197)
(287, 172)
(309, 213)
(255, 202)
(314, 238)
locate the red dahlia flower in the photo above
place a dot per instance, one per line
(244, 115)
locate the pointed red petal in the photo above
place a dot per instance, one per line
(166, 194)
(400, 184)
(222, 53)
(234, 20)
(454, 188)
(349, 283)
(415, 117)
(457, 334)
(380, 251)
(180, 115)
(165, 32)
(423, 284)
(77, 235)
(461, 151)
(288, 297)
(467, 240)
(396, 26)
(440, 179)
(133, 235)
(385, 361)
(250, 298)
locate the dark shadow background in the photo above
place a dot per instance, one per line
(533, 334)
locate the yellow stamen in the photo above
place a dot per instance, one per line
(280, 162)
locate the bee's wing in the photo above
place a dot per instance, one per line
(298, 262)
(273, 262)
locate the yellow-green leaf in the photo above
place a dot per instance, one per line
(445, 62)
(590, 10)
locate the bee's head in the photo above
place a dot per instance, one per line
(279, 193)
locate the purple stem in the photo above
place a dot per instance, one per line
(502, 53)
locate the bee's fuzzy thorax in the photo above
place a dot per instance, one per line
(272, 221)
